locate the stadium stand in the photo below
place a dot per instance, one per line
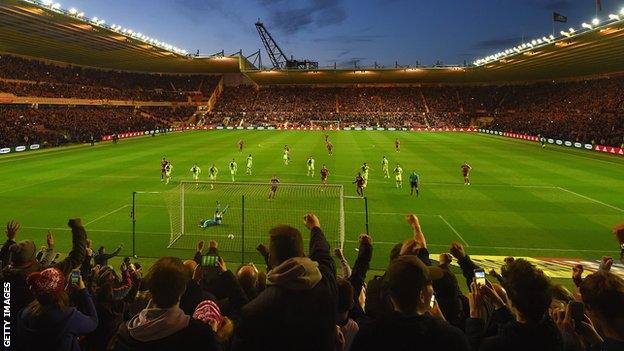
(302, 301)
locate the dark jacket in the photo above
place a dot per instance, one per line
(512, 336)
(16, 276)
(196, 336)
(57, 329)
(102, 258)
(282, 319)
(398, 332)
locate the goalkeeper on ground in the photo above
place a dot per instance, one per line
(195, 171)
(217, 219)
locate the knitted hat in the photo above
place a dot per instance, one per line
(46, 285)
(208, 311)
(22, 252)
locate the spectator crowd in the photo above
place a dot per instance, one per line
(587, 110)
(297, 300)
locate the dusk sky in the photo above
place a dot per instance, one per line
(344, 31)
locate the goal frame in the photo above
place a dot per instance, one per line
(177, 234)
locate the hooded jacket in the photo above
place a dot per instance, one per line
(297, 310)
(56, 328)
(164, 329)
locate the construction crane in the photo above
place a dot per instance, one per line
(277, 56)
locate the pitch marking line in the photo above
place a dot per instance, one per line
(454, 230)
(107, 214)
(590, 199)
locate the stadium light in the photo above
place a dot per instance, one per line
(595, 21)
(566, 34)
(80, 15)
(47, 2)
(614, 17)
(586, 25)
(56, 6)
(622, 11)
(73, 11)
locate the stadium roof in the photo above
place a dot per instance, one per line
(599, 51)
(30, 29)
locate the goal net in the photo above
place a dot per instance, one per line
(239, 215)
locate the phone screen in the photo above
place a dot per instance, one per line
(209, 260)
(480, 276)
(75, 277)
(432, 301)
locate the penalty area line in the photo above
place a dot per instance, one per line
(107, 214)
(590, 199)
(454, 230)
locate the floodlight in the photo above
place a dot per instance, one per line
(595, 21)
(73, 11)
(586, 25)
(614, 17)
(47, 2)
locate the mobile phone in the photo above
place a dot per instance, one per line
(432, 301)
(74, 277)
(209, 260)
(577, 310)
(479, 276)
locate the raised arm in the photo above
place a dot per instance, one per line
(12, 228)
(417, 232)
(319, 247)
(79, 246)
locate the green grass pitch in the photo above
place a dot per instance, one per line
(523, 201)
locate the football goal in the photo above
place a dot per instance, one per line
(239, 215)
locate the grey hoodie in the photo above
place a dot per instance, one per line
(157, 323)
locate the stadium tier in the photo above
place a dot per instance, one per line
(156, 199)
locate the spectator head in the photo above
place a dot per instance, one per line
(395, 251)
(618, 231)
(208, 312)
(409, 284)
(528, 289)
(101, 250)
(603, 295)
(247, 276)
(103, 283)
(22, 253)
(166, 281)
(561, 296)
(190, 265)
(345, 296)
(48, 288)
(285, 242)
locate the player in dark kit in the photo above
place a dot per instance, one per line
(241, 144)
(163, 166)
(397, 145)
(326, 138)
(324, 174)
(274, 182)
(542, 140)
(359, 184)
(466, 172)
(330, 148)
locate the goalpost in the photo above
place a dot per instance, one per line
(248, 214)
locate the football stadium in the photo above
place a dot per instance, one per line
(156, 198)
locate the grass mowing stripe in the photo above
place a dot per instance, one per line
(590, 199)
